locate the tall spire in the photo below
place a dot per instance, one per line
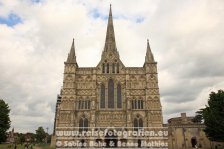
(110, 43)
(71, 56)
(149, 58)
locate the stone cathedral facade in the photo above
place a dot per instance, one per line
(110, 94)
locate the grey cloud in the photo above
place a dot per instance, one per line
(186, 38)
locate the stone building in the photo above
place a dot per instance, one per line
(110, 94)
(11, 136)
(185, 134)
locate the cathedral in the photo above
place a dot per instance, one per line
(109, 96)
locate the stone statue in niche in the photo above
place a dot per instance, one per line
(129, 117)
(93, 104)
(68, 118)
(93, 117)
(129, 105)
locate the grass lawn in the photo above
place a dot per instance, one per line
(40, 146)
(44, 146)
(10, 146)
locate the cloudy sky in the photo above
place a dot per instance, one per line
(186, 37)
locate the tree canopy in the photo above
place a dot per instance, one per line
(213, 116)
(4, 120)
(40, 134)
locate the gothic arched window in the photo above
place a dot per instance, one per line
(83, 124)
(140, 122)
(110, 94)
(108, 68)
(113, 68)
(137, 123)
(103, 68)
(119, 96)
(139, 104)
(141, 107)
(102, 96)
(117, 67)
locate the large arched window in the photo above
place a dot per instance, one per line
(83, 124)
(110, 94)
(137, 123)
(119, 96)
(102, 96)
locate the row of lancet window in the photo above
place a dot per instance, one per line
(106, 68)
(84, 104)
(111, 96)
(137, 104)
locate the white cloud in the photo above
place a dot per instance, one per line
(186, 38)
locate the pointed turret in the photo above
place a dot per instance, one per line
(110, 43)
(71, 56)
(149, 58)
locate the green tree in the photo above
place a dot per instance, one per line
(48, 138)
(198, 117)
(40, 134)
(213, 116)
(20, 138)
(4, 120)
(33, 137)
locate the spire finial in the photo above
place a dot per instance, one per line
(148, 46)
(110, 37)
(149, 56)
(71, 56)
(110, 12)
(73, 43)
